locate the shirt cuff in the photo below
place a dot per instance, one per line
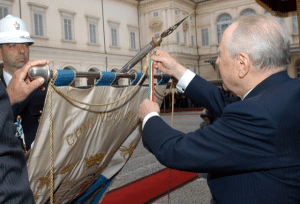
(149, 116)
(185, 80)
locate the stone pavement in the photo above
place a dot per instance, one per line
(143, 163)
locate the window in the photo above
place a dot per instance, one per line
(92, 25)
(114, 33)
(38, 24)
(205, 37)
(184, 37)
(176, 12)
(133, 36)
(93, 37)
(68, 25)
(6, 8)
(295, 24)
(223, 21)
(156, 35)
(248, 11)
(178, 37)
(191, 17)
(132, 40)
(195, 70)
(3, 11)
(38, 16)
(68, 29)
(114, 37)
(192, 41)
(155, 13)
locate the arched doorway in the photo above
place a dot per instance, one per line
(91, 81)
(132, 71)
(248, 11)
(76, 81)
(115, 70)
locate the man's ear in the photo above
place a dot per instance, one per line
(243, 64)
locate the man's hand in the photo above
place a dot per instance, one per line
(147, 107)
(20, 86)
(167, 64)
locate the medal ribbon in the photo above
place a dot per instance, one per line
(151, 81)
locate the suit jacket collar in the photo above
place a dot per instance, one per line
(2, 79)
(273, 80)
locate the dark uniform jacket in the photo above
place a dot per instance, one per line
(251, 152)
(30, 111)
(14, 185)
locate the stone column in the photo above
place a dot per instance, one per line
(147, 34)
(213, 34)
(234, 12)
(143, 30)
(164, 25)
(169, 22)
(84, 68)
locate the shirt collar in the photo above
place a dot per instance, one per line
(7, 77)
(248, 93)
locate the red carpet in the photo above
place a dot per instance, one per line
(150, 188)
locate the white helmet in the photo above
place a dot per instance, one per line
(14, 30)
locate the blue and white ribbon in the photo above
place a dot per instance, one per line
(20, 132)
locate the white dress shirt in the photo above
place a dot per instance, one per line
(7, 77)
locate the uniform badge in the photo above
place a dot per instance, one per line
(17, 26)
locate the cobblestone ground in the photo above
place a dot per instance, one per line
(142, 163)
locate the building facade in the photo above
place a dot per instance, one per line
(89, 35)
(216, 15)
(103, 35)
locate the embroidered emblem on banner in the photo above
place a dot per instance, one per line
(93, 160)
(128, 150)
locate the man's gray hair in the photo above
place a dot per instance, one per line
(264, 38)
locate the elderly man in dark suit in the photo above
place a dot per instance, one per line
(252, 151)
(14, 51)
(14, 185)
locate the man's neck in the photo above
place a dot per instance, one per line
(9, 71)
(256, 79)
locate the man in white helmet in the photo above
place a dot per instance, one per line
(14, 51)
(14, 42)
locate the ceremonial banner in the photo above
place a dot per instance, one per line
(89, 142)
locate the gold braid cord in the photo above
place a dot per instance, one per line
(50, 89)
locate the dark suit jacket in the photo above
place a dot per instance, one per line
(14, 185)
(252, 151)
(30, 111)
